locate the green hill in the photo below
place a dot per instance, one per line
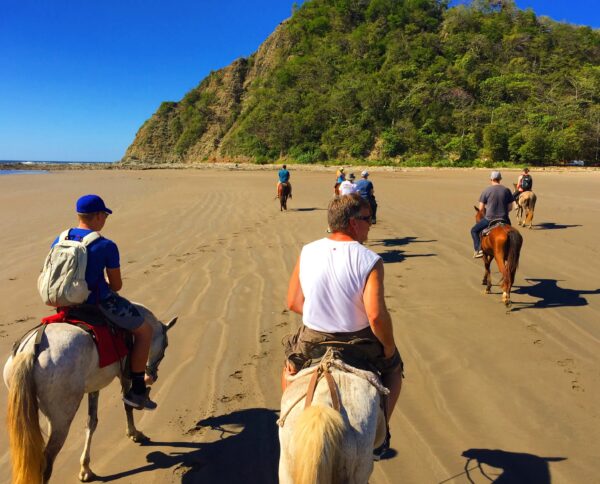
(410, 81)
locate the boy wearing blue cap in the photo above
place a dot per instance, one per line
(497, 200)
(103, 278)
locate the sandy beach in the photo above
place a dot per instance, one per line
(517, 391)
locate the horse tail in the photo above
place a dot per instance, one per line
(515, 241)
(25, 436)
(317, 438)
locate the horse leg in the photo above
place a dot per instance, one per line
(487, 276)
(86, 474)
(499, 256)
(59, 421)
(133, 433)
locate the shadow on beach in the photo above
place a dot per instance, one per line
(553, 226)
(550, 295)
(397, 255)
(247, 450)
(517, 468)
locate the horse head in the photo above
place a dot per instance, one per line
(160, 341)
(480, 213)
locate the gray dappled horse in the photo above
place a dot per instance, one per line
(322, 445)
(55, 383)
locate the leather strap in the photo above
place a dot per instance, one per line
(312, 385)
(335, 398)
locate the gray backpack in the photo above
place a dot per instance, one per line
(62, 281)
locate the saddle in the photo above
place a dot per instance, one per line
(113, 343)
(492, 225)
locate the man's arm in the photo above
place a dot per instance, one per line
(379, 317)
(295, 296)
(114, 279)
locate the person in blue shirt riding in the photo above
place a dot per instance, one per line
(284, 177)
(103, 277)
(366, 191)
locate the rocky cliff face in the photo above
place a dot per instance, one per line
(196, 128)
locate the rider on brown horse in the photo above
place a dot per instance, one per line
(284, 177)
(497, 201)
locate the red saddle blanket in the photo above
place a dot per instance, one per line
(111, 346)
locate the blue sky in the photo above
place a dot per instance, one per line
(79, 77)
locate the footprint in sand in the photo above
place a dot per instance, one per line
(264, 338)
(12, 278)
(236, 397)
(282, 324)
(237, 375)
(156, 265)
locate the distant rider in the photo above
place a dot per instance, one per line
(340, 176)
(284, 177)
(497, 201)
(366, 190)
(524, 184)
(103, 258)
(347, 186)
(337, 287)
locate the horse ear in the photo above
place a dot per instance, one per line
(171, 323)
(476, 209)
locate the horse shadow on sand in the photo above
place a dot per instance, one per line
(516, 468)
(305, 209)
(397, 255)
(553, 226)
(551, 295)
(247, 450)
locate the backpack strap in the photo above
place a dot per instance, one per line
(89, 238)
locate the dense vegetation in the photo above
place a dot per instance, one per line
(416, 82)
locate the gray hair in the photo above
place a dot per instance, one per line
(342, 209)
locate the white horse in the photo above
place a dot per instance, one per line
(321, 445)
(55, 382)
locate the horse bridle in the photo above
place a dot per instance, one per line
(152, 367)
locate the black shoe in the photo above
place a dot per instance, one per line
(139, 401)
(380, 452)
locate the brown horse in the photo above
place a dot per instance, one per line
(526, 205)
(283, 192)
(502, 243)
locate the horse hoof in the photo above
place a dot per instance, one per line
(138, 437)
(87, 476)
(487, 291)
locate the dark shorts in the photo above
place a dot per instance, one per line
(361, 349)
(121, 312)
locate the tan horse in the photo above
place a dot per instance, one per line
(322, 445)
(526, 205)
(55, 382)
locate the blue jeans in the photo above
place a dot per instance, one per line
(477, 228)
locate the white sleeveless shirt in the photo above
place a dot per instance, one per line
(333, 276)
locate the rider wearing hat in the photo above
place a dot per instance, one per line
(366, 191)
(497, 201)
(103, 278)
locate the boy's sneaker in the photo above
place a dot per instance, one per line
(139, 401)
(478, 254)
(380, 451)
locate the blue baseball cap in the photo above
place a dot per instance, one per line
(91, 204)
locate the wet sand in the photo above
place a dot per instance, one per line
(516, 391)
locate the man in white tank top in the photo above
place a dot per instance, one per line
(337, 287)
